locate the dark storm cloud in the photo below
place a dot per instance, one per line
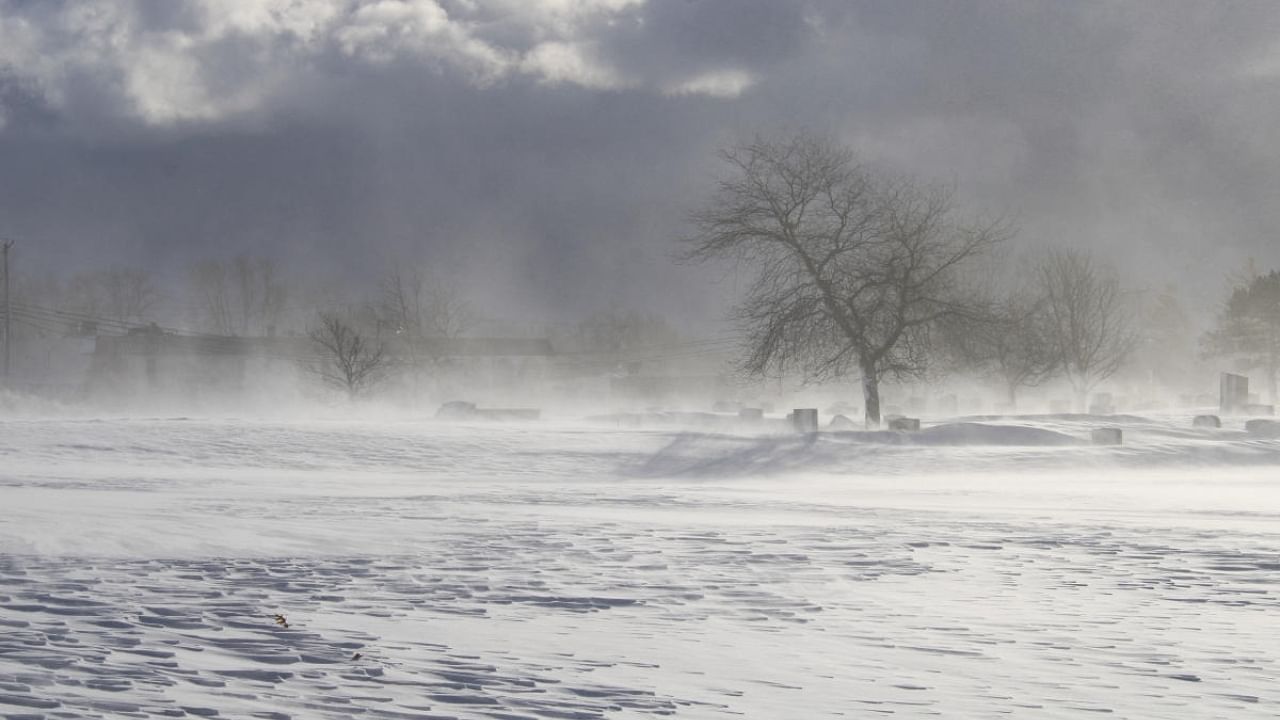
(547, 150)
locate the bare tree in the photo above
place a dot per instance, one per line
(1167, 341)
(851, 271)
(419, 304)
(260, 295)
(123, 295)
(1090, 323)
(211, 286)
(243, 272)
(620, 333)
(422, 311)
(348, 359)
(129, 294)
(1249, 325)
(1010, 342)
(240, 297)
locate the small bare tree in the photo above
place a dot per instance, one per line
(1010, 342)
(211, 285)
(851, 271)
(348, 359)
(123, 295)
(424, 313)
(130, 294)
(1090, 323)
(259, 293)
(418, 305)
(621, 333)
(1249, 326)
(239, 297)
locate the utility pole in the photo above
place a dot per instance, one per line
(8, 309)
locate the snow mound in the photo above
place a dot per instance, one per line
(966, 433)
(970, 433)
(1066, 419)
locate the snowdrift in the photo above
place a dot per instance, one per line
(1034, 442)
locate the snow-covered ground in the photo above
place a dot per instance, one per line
(580, 571)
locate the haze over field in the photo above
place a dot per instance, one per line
(586, 359)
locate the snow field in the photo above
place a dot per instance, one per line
(575, 571)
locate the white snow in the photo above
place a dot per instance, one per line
(576, 570)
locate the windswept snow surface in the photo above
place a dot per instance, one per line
(975, 569)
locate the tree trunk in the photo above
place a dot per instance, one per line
(1013, 397)
(871, 398)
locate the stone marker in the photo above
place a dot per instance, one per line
(805, 419)
(1107, 436)
(1233, 393)
(751, 415)
(904, 424)
(1263, 428)
(456, 410)
(1206, 421)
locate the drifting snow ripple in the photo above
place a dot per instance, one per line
(989, 619)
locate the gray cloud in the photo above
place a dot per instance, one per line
(549, 148)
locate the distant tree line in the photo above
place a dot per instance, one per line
(853, 275)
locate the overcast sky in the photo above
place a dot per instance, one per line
(549, 148)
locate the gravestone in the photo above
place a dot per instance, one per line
(904, 424)
(1107, 436)
(1233, 393)
(805, 419)
(1263, 428)
(1206, 421)
(457, 410)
